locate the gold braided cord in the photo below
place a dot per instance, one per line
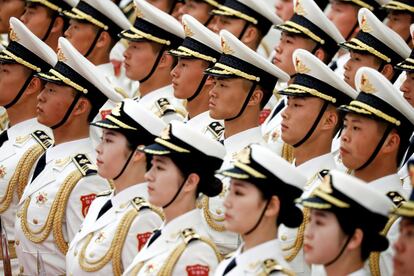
(297, 245)
(20, 176)
(237, 72)
(362, 4)
(376, 112)
(288, 153)
(374, 261)
(62, 198)
(48, 4)
(188, 51)
(4, 120)
(406, 66)
(296, 88)
(168, 267)
(137, 268)
(22, 61)
(115, 251)
(213, 3)
(118, 122)
(361, 46)
(171, 145)
(68, 81)
(397, 5)
(141, 34)
(233, 12)
(304, 30)
(89, 18)
(211, 220)
(249, 170)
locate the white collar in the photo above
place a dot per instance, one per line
(201, 118)
(187, 220)
(163, 92)
(68, 149)
(315, 165)
(137, 190)
(24, 128)
(242, 139)
(389, 183)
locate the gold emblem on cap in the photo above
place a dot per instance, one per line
(301, 67)
(243, 156)
(13, 36)
(61, 55)
(116, 110)
(187, 30)
(165, 134)
(325, 185)
(138, 12)
(366, 85)
(364, 25)
(299, 8)
(225, 47)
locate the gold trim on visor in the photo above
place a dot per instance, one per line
(22, 61)
(333, 200)
(190, 52)
(376, 112)
(315, 205)
(224, 10)
(48, 4)
(234, 175)
(234, 71)
(118, 122)
(361, 46)
(88, 17)
(171, 145)
(69, 82)
(105, 125)
(407, 66)
(213, 3)
(296, 88)
(303, 30)
(362, 4)
(406, 209)
(140, 34)
(249, 170)
(396, 5)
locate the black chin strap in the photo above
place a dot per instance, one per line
(313, 127)
(173, 7)
(176, 194)
(157, 61)
(246, 25)
(125, 165)
(200, 87)
(259, 220)
(340, 252)
(348, 37)
(377, 149)
(49, 29)
(249, 95)
(21, 91)
(69, 111)
(209, 20)
(98, 34)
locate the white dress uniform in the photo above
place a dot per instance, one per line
(163, 104)
(108, 244)
(21, 138)
(198, 258)
(46, 204)
(266, 259)
(124, 86)
(207, 125)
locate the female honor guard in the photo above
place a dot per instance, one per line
(119, 222)
(347, 217)
(183, 166)
(264, 186)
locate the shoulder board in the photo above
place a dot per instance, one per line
(270, 266)
(84, 165)
(396, 198)
(104, 193)
(140, 203)
(215, 128)
(42, 138)
(164, 107)
(323, 173)
(189, 235)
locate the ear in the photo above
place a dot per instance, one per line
(320, 54)
(392, 142)
(104, 40)
(273, 207)
(356, 239)
(58, 25)
(250, 35)
(256, 97)
(138, 156)
(166, 60)
(388, 71)
(331, 119)
(82, 106)
(191, 183)
(34, 87)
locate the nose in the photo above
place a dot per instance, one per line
(174, 72)
(149, 177)
(41, 97)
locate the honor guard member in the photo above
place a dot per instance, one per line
(199, 9)
(404, 253)
(183, 166)
(201, 48)
(346, 220)
(374, 139)
(25, 139)
(308, 29)
(64, 182)
(93, 30)
(147, 59)
(400, 17)
(309, 123)
(243, 84)
(375, 46)
(168, 6)
(120, 221)
(45, 19)
(264, 186)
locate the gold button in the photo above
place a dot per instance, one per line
(283, 237)
(92, 255)
(35, 221)
(219, 211)
(75, 253)
(21, 269)
(17, 242)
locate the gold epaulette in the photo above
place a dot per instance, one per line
(104, 193)
(164, 107)
(216, 128)
(396, 198)
(84, 165)
(42, 138)
(140, 203)
(270, 266)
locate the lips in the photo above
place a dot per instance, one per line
(307, 248)
(343, 151)
(284, 127)
(211, 104)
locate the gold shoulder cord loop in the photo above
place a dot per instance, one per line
(297, 245)
(374, 257)
(20, 176)
(211, 221)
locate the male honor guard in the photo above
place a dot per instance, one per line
(400, 17)
(147, 59)
(200, 49)
(244, 82)
(64, 182)
(376, 133)
(200, 10)
(22, 143)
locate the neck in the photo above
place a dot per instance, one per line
(312, 149)
(260, 235)
(52, 40)
(345, 265)
(380, 167)
(71, 131)
(198, 105)
(156, 81)
(98, 57)
(244, 122)
(177, 208)
(133, 174)
(20, 112)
